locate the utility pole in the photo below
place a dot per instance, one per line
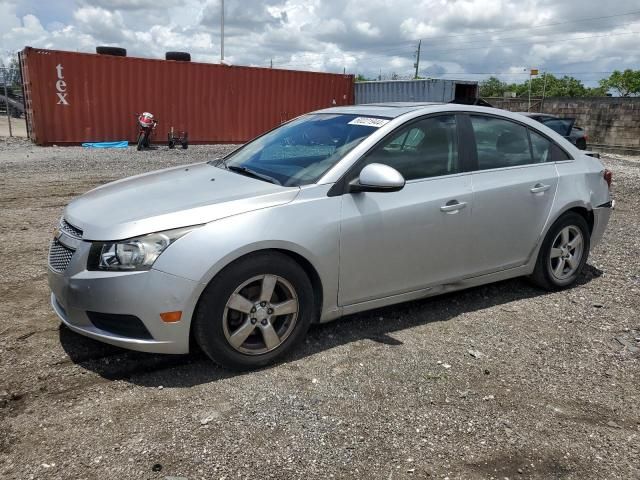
(6, 101)
(222, 31)
(544, 89)
(532, 72)
(417, 64)
(271, 63)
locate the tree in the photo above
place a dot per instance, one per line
(362, 78)
(492, 87)
(547, 84)
(10, 75)
(626, 83)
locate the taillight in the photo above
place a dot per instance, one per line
(608, 176)
(586, 138)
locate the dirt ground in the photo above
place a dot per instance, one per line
(500, 381)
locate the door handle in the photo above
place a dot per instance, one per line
(453, 206)
(539, 188)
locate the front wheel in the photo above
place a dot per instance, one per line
(254, 311)
(563, 253)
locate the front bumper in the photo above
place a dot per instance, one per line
(145, 295)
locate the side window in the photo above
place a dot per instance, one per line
(406, 142)
(426, 148)
(558, 155)
(541, 148)
(545, 150)
(500, 143)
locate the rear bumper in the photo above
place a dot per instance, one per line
(142, 294)
(601, 215)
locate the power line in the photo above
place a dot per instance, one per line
(392, 51)
(524, 73)
(490, 32)
(538, 35)
(533, 42)
(498, 45)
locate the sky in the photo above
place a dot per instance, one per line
(461, 39)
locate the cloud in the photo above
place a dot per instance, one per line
(133, 4)
(460, 38)
(100, 23)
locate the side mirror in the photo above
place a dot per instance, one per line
(377, 177)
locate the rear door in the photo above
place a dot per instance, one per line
(514, 183)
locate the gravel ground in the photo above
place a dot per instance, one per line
(498, 381)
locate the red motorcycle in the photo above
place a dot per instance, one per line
(146, 126)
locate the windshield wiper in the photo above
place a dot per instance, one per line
(251, 173)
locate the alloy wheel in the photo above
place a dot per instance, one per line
(260, 314)
(566, 252)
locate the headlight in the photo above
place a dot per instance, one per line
(135, 253)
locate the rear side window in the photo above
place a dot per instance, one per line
(557, 154)
(544, 150)
(541, 148)
(423, 149)
(500, 143)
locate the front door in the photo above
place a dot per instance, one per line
(398, 242)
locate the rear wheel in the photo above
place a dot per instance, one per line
(563, 254)
(581, 144)
(254, 311)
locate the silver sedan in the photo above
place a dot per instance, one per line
(335, 212)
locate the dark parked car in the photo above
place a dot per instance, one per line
(564, 126)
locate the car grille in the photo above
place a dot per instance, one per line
(70, 229)
(59, 256)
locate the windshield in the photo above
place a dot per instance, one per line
(301, 151)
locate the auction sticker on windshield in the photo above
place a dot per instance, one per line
(369, 121)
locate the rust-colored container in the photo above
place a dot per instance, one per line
(78, 97)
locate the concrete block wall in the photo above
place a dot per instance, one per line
(608, 121)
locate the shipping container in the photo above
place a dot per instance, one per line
(78, 97)
(431, 90)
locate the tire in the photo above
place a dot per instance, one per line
(548, 273)
(581, 144)
(178, 56)
(215, 320)
(140, 142)
(185, 145)
(113, 51)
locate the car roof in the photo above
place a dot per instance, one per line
(393, 110)
(387, 109)
(537, 114)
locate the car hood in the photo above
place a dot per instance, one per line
(172, 198)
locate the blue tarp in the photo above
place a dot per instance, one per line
(122, 144)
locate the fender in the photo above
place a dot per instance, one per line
(204, 252)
